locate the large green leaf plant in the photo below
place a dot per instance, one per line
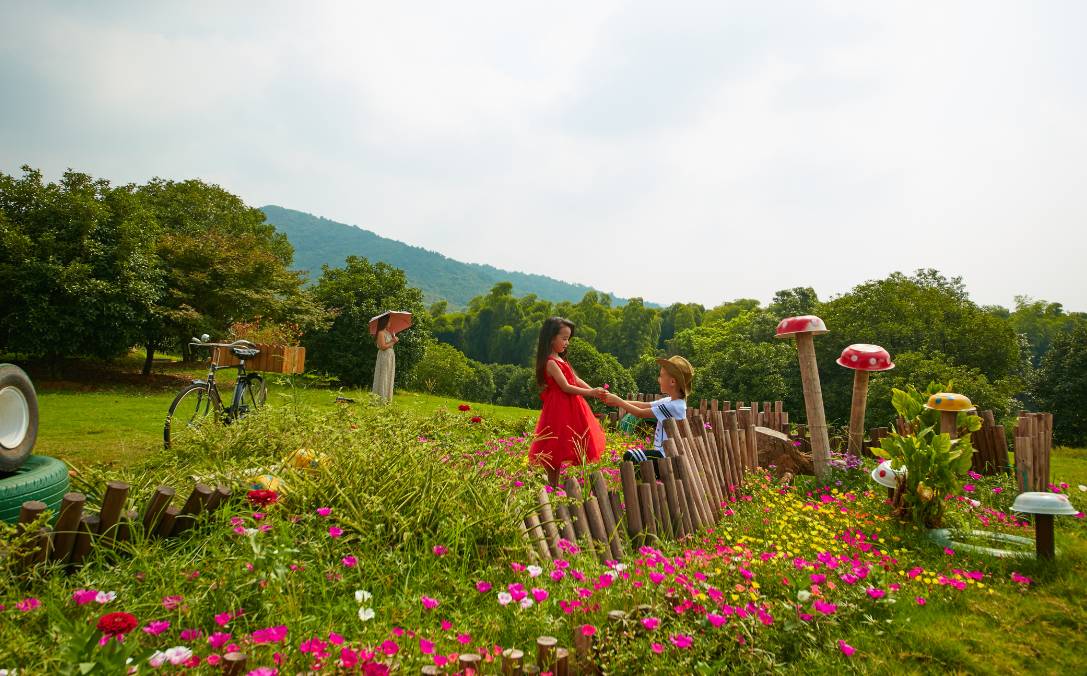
(935, 463)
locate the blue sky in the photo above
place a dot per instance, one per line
(675, 151)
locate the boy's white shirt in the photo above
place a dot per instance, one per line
(664, 409)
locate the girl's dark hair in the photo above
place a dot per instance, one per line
(382, 322)
(550, 329)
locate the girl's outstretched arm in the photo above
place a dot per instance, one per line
(641, 409)
(555, 372)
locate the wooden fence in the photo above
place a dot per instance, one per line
(704, 467)
(773, 415)
(76, 531)
(1033, 442)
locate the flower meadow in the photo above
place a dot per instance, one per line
(401, 549)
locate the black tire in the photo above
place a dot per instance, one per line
(188, 414)
(18, 417)
(39, 478)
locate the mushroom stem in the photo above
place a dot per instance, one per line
(813, 403)
(948, 423)
(1043, 536)
(856, 412)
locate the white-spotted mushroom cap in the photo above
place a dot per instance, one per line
(864, 357)
(803, 324)
(949, 401)
(1038, 502)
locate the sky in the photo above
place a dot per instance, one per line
(676, 151)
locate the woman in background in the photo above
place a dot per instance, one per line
(385, 369)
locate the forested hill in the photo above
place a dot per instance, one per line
(318, 241)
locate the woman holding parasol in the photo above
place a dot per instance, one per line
(384, 328)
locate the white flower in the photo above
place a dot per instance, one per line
(534, 570)
(504, 598)
(803, 595)
(620, 567)
(526, 602)
(157, 660)
(1083, 488)
(105, 597)
(366, 614)
(178, 654)
(251, 531)
(362, 596)
(975, 503)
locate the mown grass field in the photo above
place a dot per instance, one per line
(405, 479)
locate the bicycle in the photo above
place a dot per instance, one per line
(192, 404)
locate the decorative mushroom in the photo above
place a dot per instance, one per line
(1043, 506)
(862, 358)
(804, 327)
(885, 475)
(949, 405)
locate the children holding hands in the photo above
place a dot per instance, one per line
(675, 378)
(567, 433)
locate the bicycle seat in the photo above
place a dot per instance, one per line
(244, 352)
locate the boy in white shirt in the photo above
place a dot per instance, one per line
(675, 378)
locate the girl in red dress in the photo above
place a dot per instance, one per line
(567, 433)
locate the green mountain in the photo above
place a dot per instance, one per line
(318, 241)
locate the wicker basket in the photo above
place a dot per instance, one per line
(272, 359)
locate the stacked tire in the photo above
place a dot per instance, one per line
(24, 476)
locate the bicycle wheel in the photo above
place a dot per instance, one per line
(188, 415)
(255, 393)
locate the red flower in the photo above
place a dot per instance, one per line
(117, 624)
(464, 407)
(476, 419)
(262, 498)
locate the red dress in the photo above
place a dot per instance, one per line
(567, 433)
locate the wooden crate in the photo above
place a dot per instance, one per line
(272, 359)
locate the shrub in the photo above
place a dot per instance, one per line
(597, 368)
(1061, 386)
(521, 390)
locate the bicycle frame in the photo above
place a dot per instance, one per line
(213, 388)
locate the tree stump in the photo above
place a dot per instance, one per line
(777, 449)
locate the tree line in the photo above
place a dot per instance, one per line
(90, 269)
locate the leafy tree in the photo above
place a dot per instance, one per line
(729, 310)
(521, 389)
(1061, 386)
(644, 372)
(221, 264)
(799, 300)
(746, 371)
(636, 333)
(1041, 322)
(354, 294)
(77, 272)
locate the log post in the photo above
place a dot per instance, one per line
(512, 660)
(630, 498)
(547, 520)
(803, 328)
(193, 508)
(532, 524)
(88, 530)
(155, 509)
(600, 490)
(67, 526)
(112, 504)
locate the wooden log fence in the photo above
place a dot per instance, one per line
(1033, 443)
(77, 532)
(707, 457)
(772, 414)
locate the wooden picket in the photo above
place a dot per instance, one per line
(1033, 443)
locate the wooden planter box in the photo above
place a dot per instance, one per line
(272, 359)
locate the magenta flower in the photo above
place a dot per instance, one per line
(390, 648)
(172, 602)
(876, 593)
(426, 647)
(349, 561)
(157, 627)
(824, 607)
(539, 595)
(464, 639)
(270, 635)
(191, 634)
(483, 587)
(28, 604)
(921, 600)
(429, 603)
(657, 648)
(846, 648)
(651, 623)
(588, 630)
(1021, 579)
(335, 531)
(440, 550)
(683, 641)
(324, 511)
(218, 639)
(715, 619)
(84, 596)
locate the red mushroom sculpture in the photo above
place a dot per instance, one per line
(863, 359)
(804, 327)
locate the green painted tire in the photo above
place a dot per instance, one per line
(39, 478)
(946, 537)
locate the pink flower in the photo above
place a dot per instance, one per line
(84, 596)
(968, 488)
(426, 647)
(157, 627)
(335, 531)
(683, 641)
(588, 630)
(657, 648)
(715, 619)
(191, 634)
(270, 635)
(1021, 579)
(540, 595)
(172, 602)
(825, 608)
(846, 648)
(876, 593)
(28, 604)
(324, 511)
(949, 551)
(998, 489)
(390, 648)
(263, 671)
(483, 587)
(440, 550)
(921, 600)
(464, 639)
(349, 561)
(651, 623)
(429, 603)
(223, 619)
(218, 639)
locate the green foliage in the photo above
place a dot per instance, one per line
(644, 372)
(1061, 386)
(355, 294)
(925, 313)
(800, 300)
(77, 270)
(1042, 322)
(934, 462)
(520, 390)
